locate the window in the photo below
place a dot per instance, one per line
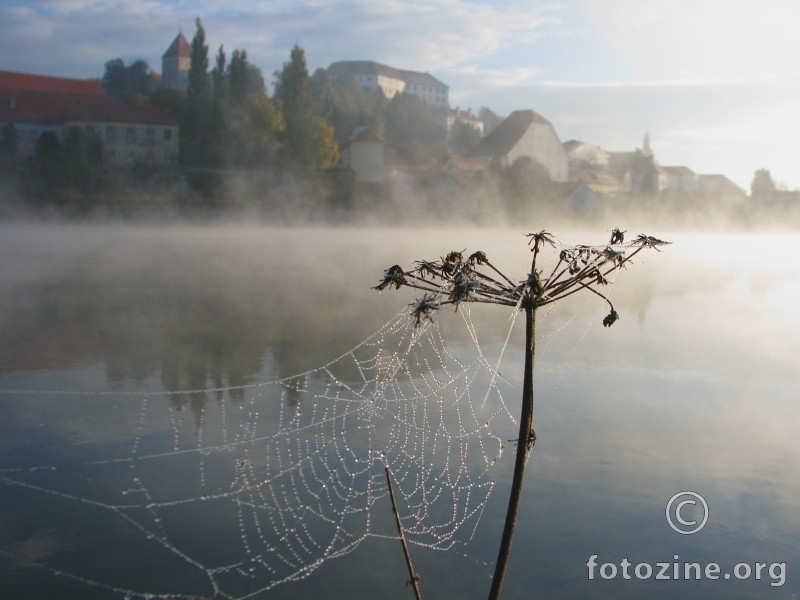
(149, 135)
(111, 134)
(111, 157)
(130, 158)
(167, 135)
(167, 158)
(89, 131)
(130, 135)
(149, 158)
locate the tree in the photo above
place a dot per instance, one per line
(346, 105)
(411, 125)
(198, 67)
(763, 186)
(80, 161)
(463, 137)
(325, 152)
(292, 86)
(239, 77)
(218, 78)
(128, 83)
(255, 133)
(308, 138)
(9, 142)
(523, 183)
(199, 129)
(115, 80)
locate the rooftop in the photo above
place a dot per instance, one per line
(368, 67)
(42, 83)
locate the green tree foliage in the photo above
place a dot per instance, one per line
(81, 163)
(239, 77)
(199, 128)
(325, 152)
(9, 151)
(763, 186)
(255, 133)
(411, 125)
(462, 138)
(68, 171)
(308, 139)
(199, 85)
(525, 184)
(130, 84)
(346, 105)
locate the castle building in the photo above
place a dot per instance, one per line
(373, 76)
(175, 64)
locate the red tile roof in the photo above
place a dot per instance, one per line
(57, 108)
(42, 83)
(179, 47)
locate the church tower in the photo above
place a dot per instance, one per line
(175, 64)
(646, 146)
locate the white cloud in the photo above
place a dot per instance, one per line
(700, 38)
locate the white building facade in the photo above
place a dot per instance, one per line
(374, 76)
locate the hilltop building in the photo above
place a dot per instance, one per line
(36, 104)
(525, 133)
(175, 64)
(373, 77)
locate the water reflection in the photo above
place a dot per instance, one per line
(694, 388)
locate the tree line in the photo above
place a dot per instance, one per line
(229, 121)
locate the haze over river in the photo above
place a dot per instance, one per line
(123, 342)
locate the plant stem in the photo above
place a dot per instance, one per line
(413, 577)
(526, 437)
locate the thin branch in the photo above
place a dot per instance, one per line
(413, 576)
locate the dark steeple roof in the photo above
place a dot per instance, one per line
(179, 47)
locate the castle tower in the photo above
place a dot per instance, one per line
(175, 64)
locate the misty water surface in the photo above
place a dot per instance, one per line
(695, 388)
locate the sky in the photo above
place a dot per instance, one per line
(715, 83)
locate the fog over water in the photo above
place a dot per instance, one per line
(695, 388)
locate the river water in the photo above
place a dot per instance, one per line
(153, 378)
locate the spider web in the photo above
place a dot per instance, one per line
(265, 485)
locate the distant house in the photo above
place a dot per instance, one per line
(450, 116)
(130, 135)
(682, 179)
(637, 172)
(525, 133)
(175, 64)
(375, 77)
(585, 156)
(375, 161)
(719, 189)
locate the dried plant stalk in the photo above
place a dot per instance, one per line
(454, 279)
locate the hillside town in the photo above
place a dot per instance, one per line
(521, 152)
